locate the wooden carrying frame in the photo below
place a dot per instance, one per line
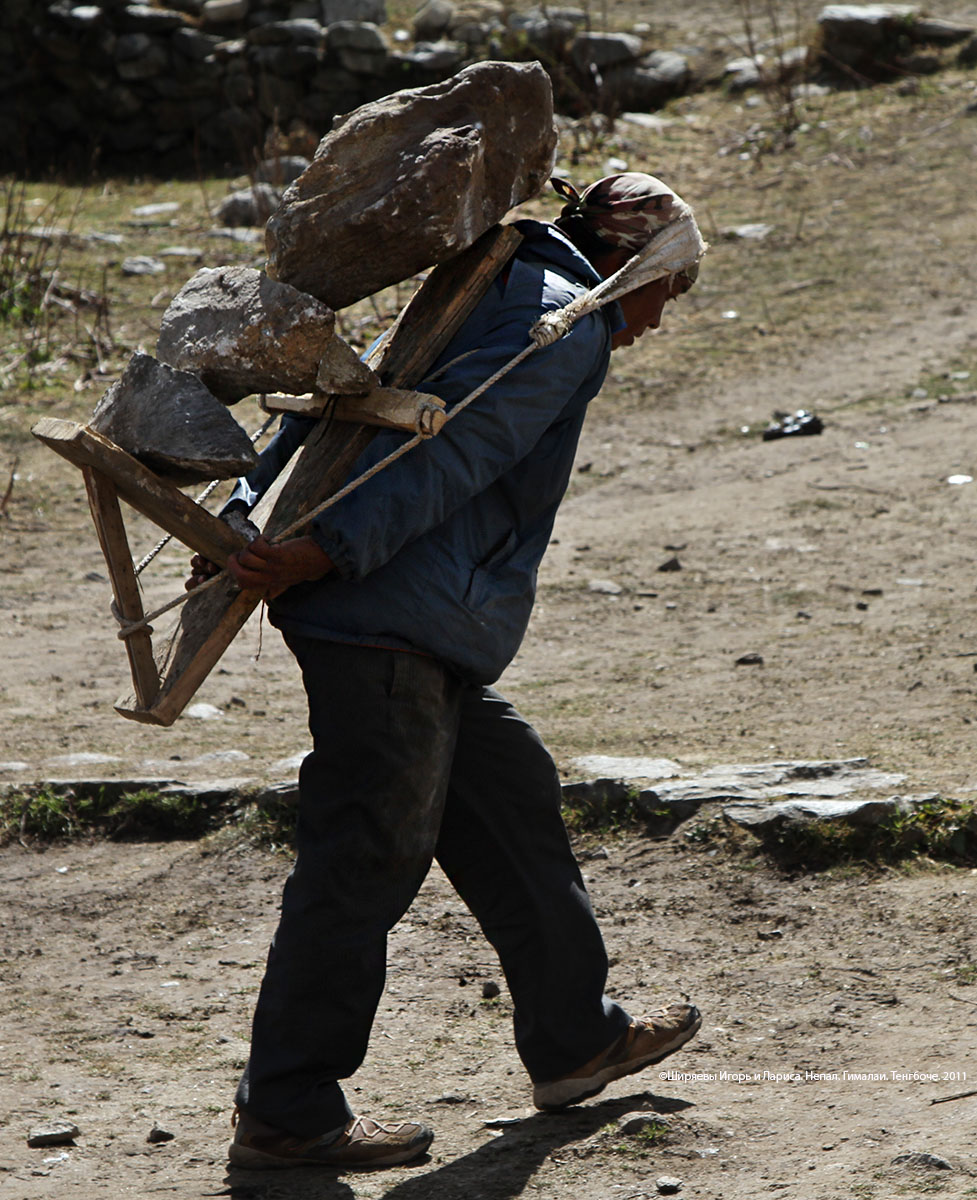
(164, 683)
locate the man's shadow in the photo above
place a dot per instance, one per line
(498, 1170)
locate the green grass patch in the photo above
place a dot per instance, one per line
(603, 806)
(937, 831)
(47, 815)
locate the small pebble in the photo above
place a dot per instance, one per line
(668, 1185)
(635, 1122)
(490, 989)
(157, 1135)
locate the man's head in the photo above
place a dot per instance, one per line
(614, 220)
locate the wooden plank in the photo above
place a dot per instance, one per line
(388, 408)
(209, 623)
(163, 503)
(103, 500)
(437, 309)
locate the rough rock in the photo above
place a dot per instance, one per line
(628, 768)
(223, 12)
(334, 11)
(281, 170)
(656, 79)
(242, 333)
(53, 1133)
(921, 1158)
(142, 264)
(668, 1185)
(597, 51)
(436, 56)
(168, 420)
(358, 47)
(638, 1122)
(250, 206)
(432, 20)
(342, 372)
(410, 180)
(967, 57)
(872, 38)
(156, 1136)
(766, 817)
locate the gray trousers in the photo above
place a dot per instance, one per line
(410, 764)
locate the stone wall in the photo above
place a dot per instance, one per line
(204, 81)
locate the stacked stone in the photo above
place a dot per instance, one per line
(401, 184)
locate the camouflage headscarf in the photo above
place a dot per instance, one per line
(620, 212)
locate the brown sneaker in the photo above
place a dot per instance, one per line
(642, 1043)
(360, 1145)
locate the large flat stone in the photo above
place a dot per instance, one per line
(408, 181)
(170, 421)
(243, 333)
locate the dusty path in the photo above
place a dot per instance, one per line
(846, 561)
(808, 979)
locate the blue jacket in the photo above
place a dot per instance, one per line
(439, 552)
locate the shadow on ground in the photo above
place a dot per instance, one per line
(498, 1170)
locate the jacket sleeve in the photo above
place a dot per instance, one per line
(421, 489)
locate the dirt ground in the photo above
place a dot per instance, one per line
(844, 560)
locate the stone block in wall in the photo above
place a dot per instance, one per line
(223, 12)
(142, 18)
(232, 132)
(358, 47)
(659, 77)
(144, 66)
(412, 179)
(319, 108)
(287, 33)
(473, 33)
(437, 57)
(64, 116)
(433, 20)
(122, 102)
(373, 12)
(186, 85)
(172, 115)
(238, 88)
(278, 98)
(248, 207)
(280, 170)
(127, 137)
(82, 16)
(194, 44)
(548, 33)
(242, 332)
(292, 61)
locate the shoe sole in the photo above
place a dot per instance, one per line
(256, 1160)
(573, 1091)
